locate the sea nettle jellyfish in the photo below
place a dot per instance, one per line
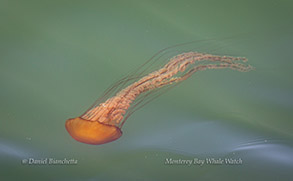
(103, 121)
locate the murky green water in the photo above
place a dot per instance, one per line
(57, 58)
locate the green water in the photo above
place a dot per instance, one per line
(57, 58)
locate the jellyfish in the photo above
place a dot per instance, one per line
(103, 121)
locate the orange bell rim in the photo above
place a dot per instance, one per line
(92, 132)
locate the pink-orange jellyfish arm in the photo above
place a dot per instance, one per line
(102, 123)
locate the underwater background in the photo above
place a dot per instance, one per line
(57, 58)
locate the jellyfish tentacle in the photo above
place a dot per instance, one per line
(112, 111)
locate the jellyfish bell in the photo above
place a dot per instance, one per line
(92, 132)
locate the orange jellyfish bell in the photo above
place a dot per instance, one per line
(92, 132)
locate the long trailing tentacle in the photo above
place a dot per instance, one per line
(179, 68)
